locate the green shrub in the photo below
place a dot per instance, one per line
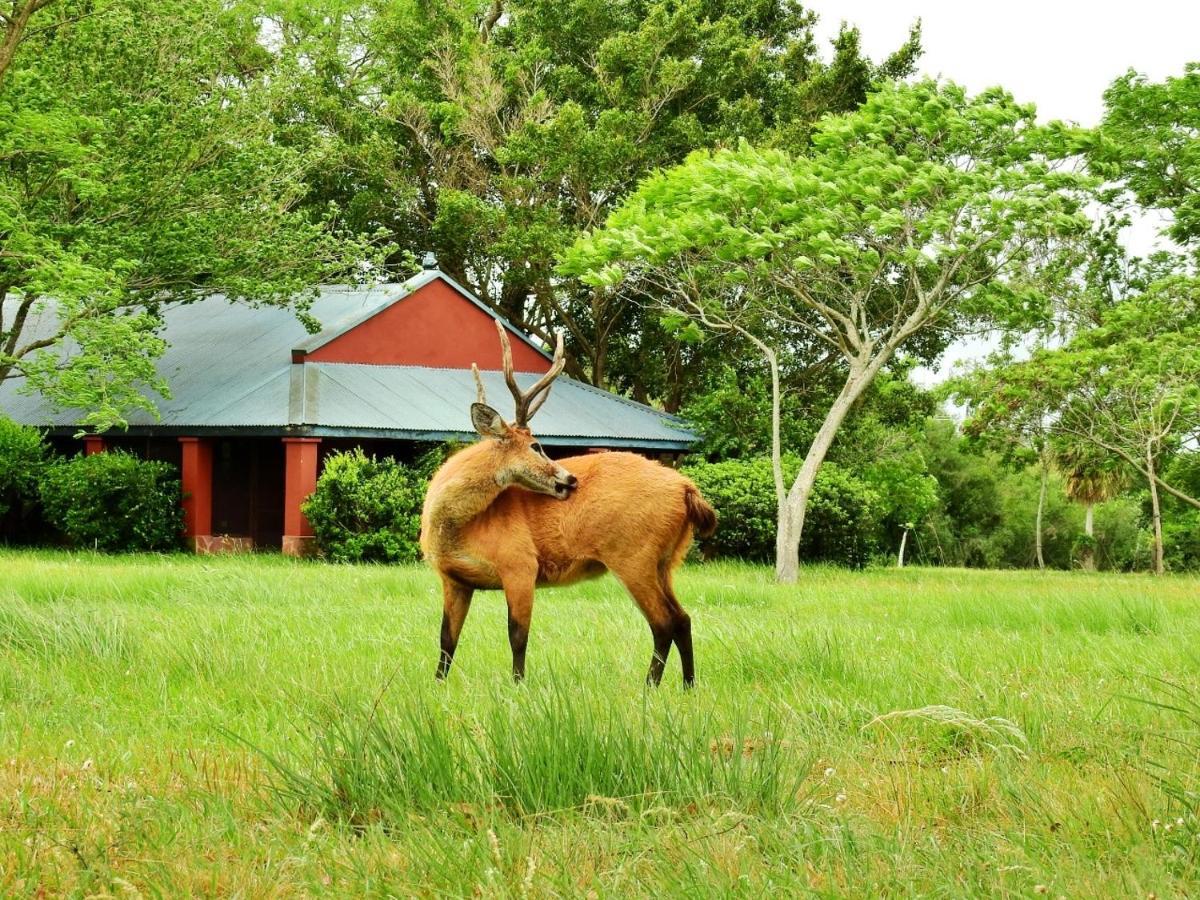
(114, 501)
(23, 458)
(368, 509)
(843, 519)
(1118, 530)
(1181, 540)
(841, 524)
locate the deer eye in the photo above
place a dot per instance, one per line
(537, 448)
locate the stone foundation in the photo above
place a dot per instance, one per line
(221, 543)
(299, 545)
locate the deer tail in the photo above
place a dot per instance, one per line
(699, 512)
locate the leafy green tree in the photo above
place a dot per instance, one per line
(138, 167)
(1129, 386)
(1150, 141)
(1090, 476)
(914, 217)
(1022, 437)
(496, 132)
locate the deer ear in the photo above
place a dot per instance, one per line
(487, 421)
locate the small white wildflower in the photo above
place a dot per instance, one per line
(945, 770)
(840, 798)
(1179, 821)
(1154, 825)
(1040, 889)
(829, 772)
(69, 744)
(1024, 695)
(87, 764)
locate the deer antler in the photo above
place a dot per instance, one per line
(480, 396)
(530, 401)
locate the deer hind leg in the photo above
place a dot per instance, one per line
(682, 628)
(456, 601)
(519, 594)
(663, 614)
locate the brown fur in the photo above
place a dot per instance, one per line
(495, 516)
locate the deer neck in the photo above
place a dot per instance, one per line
(460, 493)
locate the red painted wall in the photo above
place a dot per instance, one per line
(433, 326)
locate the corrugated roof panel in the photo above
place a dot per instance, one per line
(229, 366)
(415, 398)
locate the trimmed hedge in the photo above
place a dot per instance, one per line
(841, 525)
(114, 501)
(368, 509)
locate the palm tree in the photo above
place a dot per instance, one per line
(1091, 477)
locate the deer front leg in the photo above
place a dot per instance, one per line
(456, 601)
(519, 594)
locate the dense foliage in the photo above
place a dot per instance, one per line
(139, 166)
(368, 509)
(23, 457)
(1150, 142)
(846, 512)
(496, 132)
(923, 212)
(726, 222)
(114, 501)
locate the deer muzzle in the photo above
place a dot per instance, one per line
(564, 484)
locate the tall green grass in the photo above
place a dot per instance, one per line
(533, 750)
(262, 726)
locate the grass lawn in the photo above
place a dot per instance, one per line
(265, 727)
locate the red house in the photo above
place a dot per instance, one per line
(257, 401)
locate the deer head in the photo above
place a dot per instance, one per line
(517, 457)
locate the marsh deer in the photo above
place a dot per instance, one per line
(502, 514)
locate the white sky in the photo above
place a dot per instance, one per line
(1059, 54)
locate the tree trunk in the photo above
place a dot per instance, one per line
(782, 530)
(1041, 559)
(1088, 560)
(794, 507)
(900, 555)
(16, 21)
(1155, 514)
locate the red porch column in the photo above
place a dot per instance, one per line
(300, 480)
(196, 475)
(93, 443)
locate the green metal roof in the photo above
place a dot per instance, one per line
(229, 367)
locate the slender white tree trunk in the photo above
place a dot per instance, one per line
(782, 535)
(1041, 560)
(791, 522)
(1155, 514)
(1089, 529)
(900, 555)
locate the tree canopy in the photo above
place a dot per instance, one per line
(918, 215)
(139, 167)
(1150, 142)
(494, 133)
